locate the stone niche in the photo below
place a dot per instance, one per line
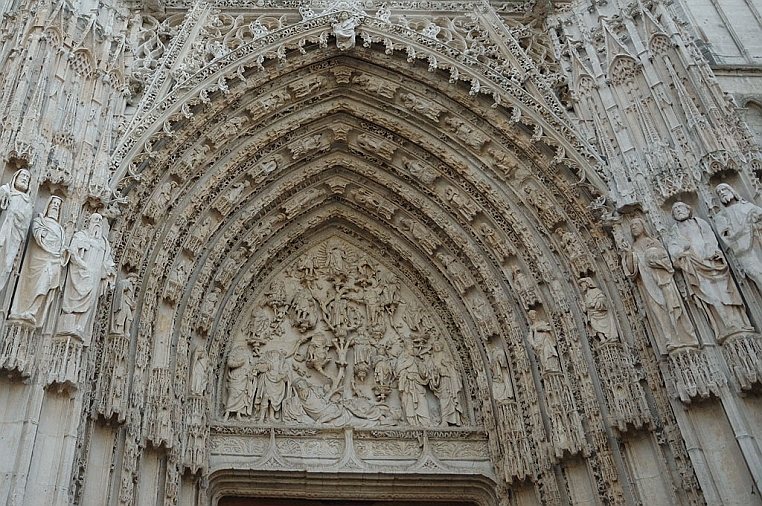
(335, 339)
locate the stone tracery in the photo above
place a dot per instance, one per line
(434, 210)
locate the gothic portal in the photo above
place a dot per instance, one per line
(358, 252)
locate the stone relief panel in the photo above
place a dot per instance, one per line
(335, 339)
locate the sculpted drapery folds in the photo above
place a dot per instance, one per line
(412, 385)
(444, 380)
(41, 271)
(241, 382)
(355, 347)
(739, 225)
(600, 316)
(647, 262)
(124, 306)
(91, 273)
(16, 209)
(199, 372)
(694, 250)
(543, 343)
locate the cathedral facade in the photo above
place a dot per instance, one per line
(273, 252)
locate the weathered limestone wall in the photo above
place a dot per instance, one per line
(373, 250)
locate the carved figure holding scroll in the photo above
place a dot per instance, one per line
(694, 250)
(16, 208)
(739, 224)
(41, 272)
(91, 273)
(647, 262)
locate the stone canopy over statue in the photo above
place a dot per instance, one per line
(335, 339)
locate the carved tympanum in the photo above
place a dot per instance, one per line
(336, 339)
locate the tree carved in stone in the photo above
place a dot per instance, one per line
(335, 338)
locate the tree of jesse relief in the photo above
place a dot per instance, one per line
(335, 339)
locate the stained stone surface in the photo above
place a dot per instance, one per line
(347, 251)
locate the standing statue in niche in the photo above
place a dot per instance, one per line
(694, 250)
(16, 208)
(599, 315)
(124, 305)
(199, 372)
(91, 273)
(647, 262)
(739, 224)
(40, 275)
(543, 343)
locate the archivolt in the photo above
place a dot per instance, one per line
(230, 182)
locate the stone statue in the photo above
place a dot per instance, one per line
(272, 384)
(502, 387)
(16, 206)
(309, 405)
(124, 305)
(241, 382)
(694, 250)
(543, 343)
(41, 272)
(525, 288)
(412, 387)
(739, 224)
(344, 30)
(596, 305)
(444, 380)
(91, 272)
(199, 371)
(647, 262)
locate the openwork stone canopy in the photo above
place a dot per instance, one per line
(323, 247)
